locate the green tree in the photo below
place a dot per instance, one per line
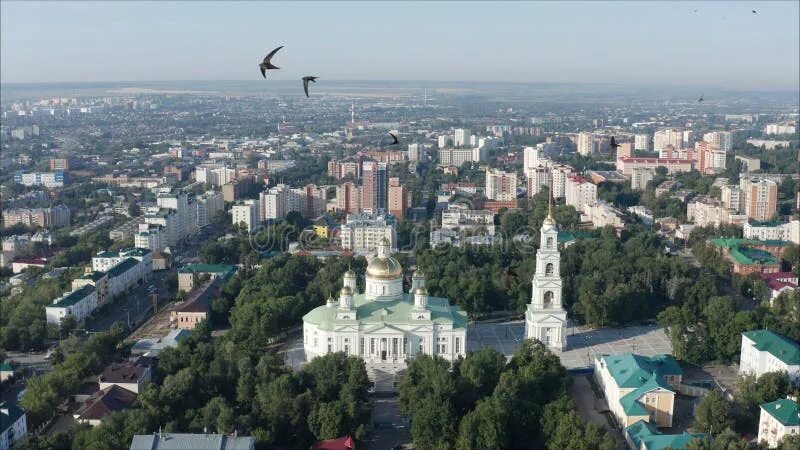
(711, 415)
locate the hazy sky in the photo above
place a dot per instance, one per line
(722, 44)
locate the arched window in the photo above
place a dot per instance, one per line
(548, 269)
(549, 242)
(548, 299)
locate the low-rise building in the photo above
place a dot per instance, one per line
(196, 306)
(189, 274)
(778, 419)
(14, 424)
(766, 231)
(459, 219)
(767, 351)
(779, 283)
(644, 436)
(639, 388)
(127, 375)
(97, 279)
(103, 403)
(152, 347)
(603, 214)
(750, 256)
(79, 304)
(175, 441)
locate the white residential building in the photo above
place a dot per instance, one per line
(362, 233)
(602, 214)
(538, 177)
(766, 231)
(214, 174)
(778, 419)
(669, 136)
(731, 197)
(643, 142)
(458, 156)
(779, 128)
(531, 158)
(245, 213)
(461, 137)
(558, 178)
(640, 176)
(278, 201)
(208, 205)
(15, 425)
(767, 351)
(585, 143)
(151, 237)
(459, 219)
(79, 304)
(580, 192)
(705, 211)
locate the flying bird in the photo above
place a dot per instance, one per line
(700, 100)
(394, 139)
(266, 64)
(305, 82)
(613, 145)
(755, 12)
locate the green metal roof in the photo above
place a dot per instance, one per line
(642, 431)
(222, 270)
(94, 276)
(14, 413)
(630, 402)
(777, 345)
(134, 252)
(784, 411)
(124, 266)
(631, 371)
(567, 236)
(751, 256)
(73, 297)
(391, 312)
(6, 367)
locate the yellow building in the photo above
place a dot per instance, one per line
(639, 388)
(323, 227)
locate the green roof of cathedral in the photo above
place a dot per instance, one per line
(389, 312)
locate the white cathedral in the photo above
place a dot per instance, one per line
(384, 325)
(546, 319)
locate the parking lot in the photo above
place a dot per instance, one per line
(583, 343)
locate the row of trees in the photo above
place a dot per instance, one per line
(76, 361)
(484, 403)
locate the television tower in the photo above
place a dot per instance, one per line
(353, 113)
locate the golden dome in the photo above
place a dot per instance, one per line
(350, 273)
(386, 268)
(420, 291)
(346, 290)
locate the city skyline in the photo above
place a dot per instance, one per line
(721, 44)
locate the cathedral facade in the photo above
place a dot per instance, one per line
(384, 325)
(545, 318)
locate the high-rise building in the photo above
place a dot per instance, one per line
(414, 152)
(731, 197)
(558, 180)
(362, 233)
(56, 217)
(461, 138)
(585, 143)
(445, 141)
(580, 192)
(760, 198)
(458, 156)
(278, 201)
(208, 205)
(186, 211)
(348, 198)
(669, 136)
(374, 187)
(625, 150)
(399, 198)
(501, 186)
(59, 164)
(530, 158)
(723, 139)
(46, 179)
(640, 176)
(643, 142)
(537, 177)
(710, 157)
(546, 318)
(245, 214)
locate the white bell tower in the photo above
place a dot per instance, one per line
(546, 319)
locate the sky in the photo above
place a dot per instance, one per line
(641, 42)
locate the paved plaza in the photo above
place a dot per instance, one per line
(583, 343)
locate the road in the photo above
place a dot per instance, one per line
(137, 306)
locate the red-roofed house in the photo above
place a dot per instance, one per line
(104, 402)
(780, 282)
(343, 443)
